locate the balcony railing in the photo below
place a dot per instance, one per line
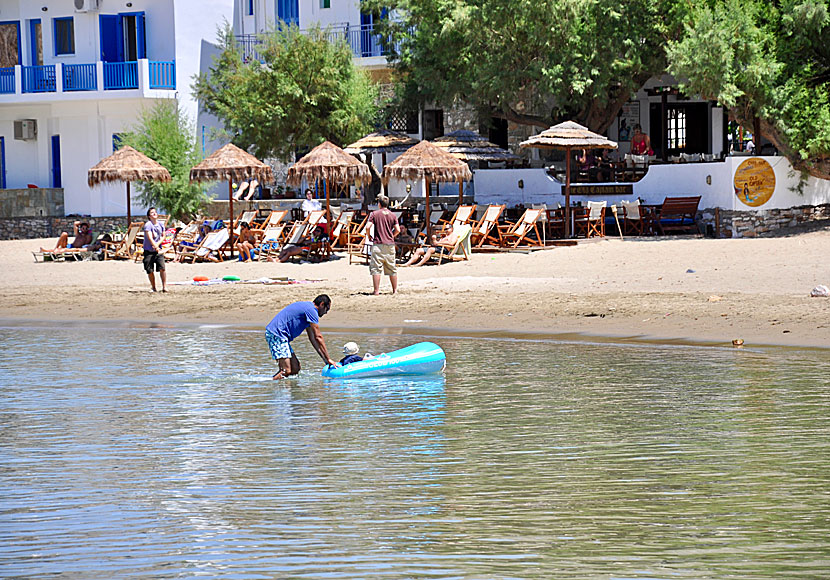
(362, 40)
(7, 81)
(80, 77)
(119, 76)
(162, 75)
(88, 77)
(39, 79)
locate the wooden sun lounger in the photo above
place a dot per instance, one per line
(677, 214)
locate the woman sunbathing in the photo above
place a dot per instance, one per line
(436, 246)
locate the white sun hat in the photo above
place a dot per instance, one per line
(350, 348)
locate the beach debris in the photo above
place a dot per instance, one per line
(690, 271)
(820, 291)
(715, 298)
(738, 342)
(412, 320)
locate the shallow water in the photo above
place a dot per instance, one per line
(169, 453)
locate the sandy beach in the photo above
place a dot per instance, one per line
(664, 289)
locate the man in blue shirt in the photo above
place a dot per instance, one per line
(290, 323)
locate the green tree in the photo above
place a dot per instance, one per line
(164, 133)
(304, 89)
(765, 60)
(532, 61)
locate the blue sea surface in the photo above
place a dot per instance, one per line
(168, 452)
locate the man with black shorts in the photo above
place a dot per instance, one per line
(382, 260)
(153, 258)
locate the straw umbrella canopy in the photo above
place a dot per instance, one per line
(428, 162)
(567, 136)
(470, 146)
(383, 142)
(232, 164)
(127, 165)
(330, 163)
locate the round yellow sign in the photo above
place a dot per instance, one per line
(754, 182)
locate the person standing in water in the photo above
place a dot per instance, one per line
(288, 324)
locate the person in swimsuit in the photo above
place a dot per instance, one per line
(640, 142)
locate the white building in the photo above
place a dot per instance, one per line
(76, 73)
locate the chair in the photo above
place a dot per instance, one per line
(481, 231)
(360, 246)
(523, 232)
(633, 222)
(590, 221)
(341, 228)
(209, 249)
(269, 247)
(124, 249)
(556, 222)
(462, 216)
(245, 216)
(274, 218)
(678, 214)
(459, 249)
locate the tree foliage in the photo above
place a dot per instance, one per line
(304, 89)
(532, 61)
(765, 60)
(164, 133)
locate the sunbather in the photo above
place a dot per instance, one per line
(425, 253)
(246, 242)
(83, 237)
(301, 247)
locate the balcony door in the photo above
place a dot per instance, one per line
(123, 37)
(56, 161)
(9, 44)
(289, 11)
(370, 42)
(2, 162)
(36, 42)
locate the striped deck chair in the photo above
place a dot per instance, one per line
(209, 249)
(482, 230)
(523, 232)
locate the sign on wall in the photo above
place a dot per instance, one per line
(754, 182)
(629, 116)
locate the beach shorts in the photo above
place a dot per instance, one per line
(383, 260)
(279, 348)
(153, 259)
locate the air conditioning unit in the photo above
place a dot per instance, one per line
(86, 5)
(25, 130)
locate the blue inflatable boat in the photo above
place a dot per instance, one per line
(418, 359)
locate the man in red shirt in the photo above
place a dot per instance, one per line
(382, 261)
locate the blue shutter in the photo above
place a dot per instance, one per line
(56, 161)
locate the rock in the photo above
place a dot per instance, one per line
(820, 291)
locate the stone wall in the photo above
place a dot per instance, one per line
(761, 223)
(31, 202)
(27, 228)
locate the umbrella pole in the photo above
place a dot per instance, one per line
(426, 213)
(567, 192)
(230, 209)
(129, 217)
(328, 209)
(460, 193)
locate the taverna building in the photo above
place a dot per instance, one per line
(76, 73)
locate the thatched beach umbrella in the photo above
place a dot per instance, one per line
(470, 146)
(232, 164)
(428, 162)
(128, 165)
(567, 136)
(330, 163)
(383, 142)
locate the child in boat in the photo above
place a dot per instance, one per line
(350, 349)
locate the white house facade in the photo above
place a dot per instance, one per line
(74, 74)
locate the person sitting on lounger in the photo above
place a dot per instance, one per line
(83, 237)
(425, 253)
(246, 242)
(303, 246)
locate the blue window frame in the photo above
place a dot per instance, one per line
(56, 161)
(64, 36)
(289, 11)
(325, 3)
(2, 162)
(10, 30)
(250, 7)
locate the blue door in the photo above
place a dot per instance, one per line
(36, 42)
(111, 43)
(369, 40)
(56, 161)
(2, 163)
(289, 11)
(132, 32)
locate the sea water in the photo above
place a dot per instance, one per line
(167, 452)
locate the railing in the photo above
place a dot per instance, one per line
(80, 77)
(162, 75)
(39, 79)
(120, 75)
(7, 81)
(362, 40)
